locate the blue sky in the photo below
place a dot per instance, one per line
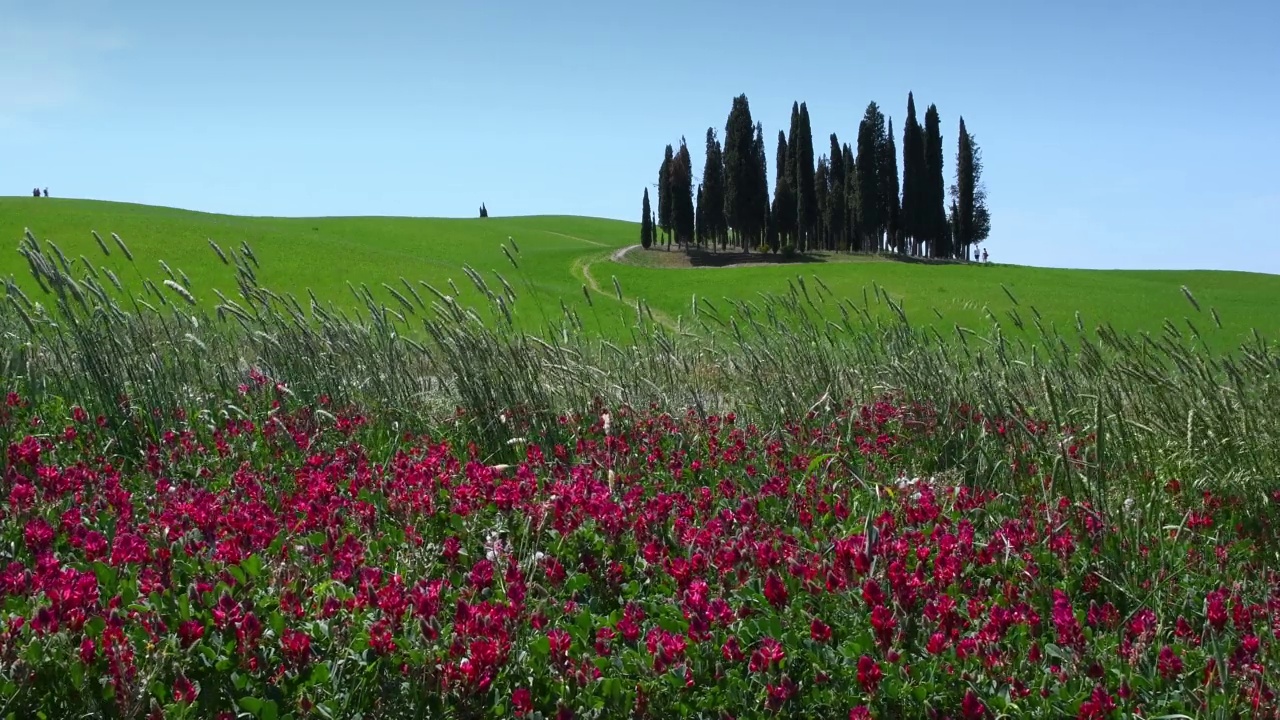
(1115, 134)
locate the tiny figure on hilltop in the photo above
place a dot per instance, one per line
(984, 255)
(46, 192)
(35, 192)
(484, 211)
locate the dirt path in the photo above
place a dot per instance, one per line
(582, 268)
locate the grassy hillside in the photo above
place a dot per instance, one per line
(558, 255)
(321, 254)
(963, 293)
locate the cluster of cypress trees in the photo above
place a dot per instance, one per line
(850, 200)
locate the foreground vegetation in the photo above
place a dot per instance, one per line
(262, 505)
(558, 256)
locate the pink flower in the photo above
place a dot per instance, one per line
(183, 691)
(559, 641)
(819, 630)
(775, 591)
(522, 701)
(869, 674)
(1169, 664)
(971, 707)
(1098, 706)
(768, 654)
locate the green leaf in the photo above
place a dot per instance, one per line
(269, 710)
(541, 646)
(320, 674)
(106, 578)
(578, 582)
(251, 704)
(252, 565)
(236, 573)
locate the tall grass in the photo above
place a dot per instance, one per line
(1160, 406)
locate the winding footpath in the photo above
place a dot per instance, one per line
(582, 268)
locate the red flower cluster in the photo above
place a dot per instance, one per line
(638, 570)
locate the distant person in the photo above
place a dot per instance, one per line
(975, 254)
(984, 255)
(46, 192)
(35, 192)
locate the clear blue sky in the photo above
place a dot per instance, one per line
(1115, 134)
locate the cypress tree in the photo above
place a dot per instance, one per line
(646, 222)
(790, 223)
(934, 213)
(822, 201)
(911, 224)
(850, 198)
(699, 219)
(806, 190)
(682, 197)
(713, 190)
(970, 218)
(889, 179)
(837, 197)
(783, 193)
(871, 196)
(739, 169)
(666, 215)
(760, 194)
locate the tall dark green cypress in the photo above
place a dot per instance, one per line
(806, 190)
(713, 190)
(837, 205)
(889, 183)
(682, 198)
(971, 220)
(739, 169)
(822, 203)
(700, 220)
(850, 198)
(646, 222)
(934, 212)
(666, 214)
(760, 196)
(871, 192)
(783, 193)
(912, 225)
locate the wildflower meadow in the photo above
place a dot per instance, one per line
(277, 509)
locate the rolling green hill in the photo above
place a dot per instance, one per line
(559, 255)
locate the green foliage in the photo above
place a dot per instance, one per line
(646, 222)
(666, 193)
(682, 195)
(807, 211)
(972, 222)
(889, 183)
(784, 200)
(712, 201)
(872, 194)
(739, 168)
(912, 224)
(933, 213)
